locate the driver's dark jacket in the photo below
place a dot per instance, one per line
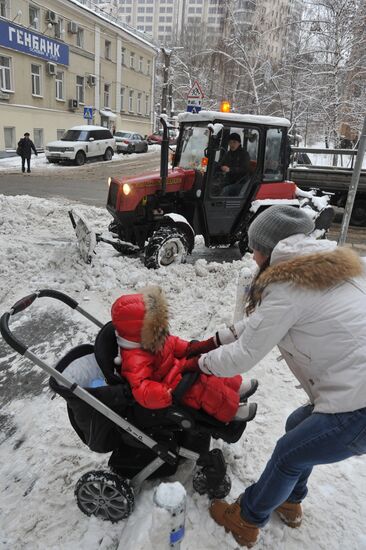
(238, 161)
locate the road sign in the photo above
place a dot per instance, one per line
(193, 108)
(88, 113)
(196, 91)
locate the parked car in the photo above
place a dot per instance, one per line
(80, 143)
(157, 137)
(128, 142)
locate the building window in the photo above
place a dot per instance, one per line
(147, 105)
(80, 38)
(36, 79)
(59, 133)
(148, 67)
(59, 28)
(130, 101)
(107, 93)
(108, 49)
(34, 16)
(5, 74)
(141, 64)
(132, 60)
(60, 85)
(139, 96)
(3, 8)
(38, 138)
(122, 99)
(9, 137)
(123, 56)
(80, 96)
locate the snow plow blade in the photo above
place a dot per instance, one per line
(88, 239)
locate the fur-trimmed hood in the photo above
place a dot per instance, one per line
(320, 265)
(141, 319)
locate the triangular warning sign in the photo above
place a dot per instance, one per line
(195, 91)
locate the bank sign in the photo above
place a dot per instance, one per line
(23, 40)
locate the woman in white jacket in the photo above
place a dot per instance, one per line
(309, 298)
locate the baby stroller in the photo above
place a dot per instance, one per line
(143, 443)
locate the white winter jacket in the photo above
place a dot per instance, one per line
(312, 304)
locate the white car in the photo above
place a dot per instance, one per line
(80, 143)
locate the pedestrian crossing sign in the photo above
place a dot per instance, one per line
(196, 91)
(88, 113)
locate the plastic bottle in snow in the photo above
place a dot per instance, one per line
(170, 508)
(244, 282)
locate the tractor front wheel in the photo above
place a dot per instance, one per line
(166, 246)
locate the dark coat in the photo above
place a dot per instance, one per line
(238, 161)
(25, 147)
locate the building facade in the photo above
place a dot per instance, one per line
(60, 62)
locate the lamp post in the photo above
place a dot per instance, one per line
(167, 90)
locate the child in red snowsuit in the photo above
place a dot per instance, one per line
(153, 361)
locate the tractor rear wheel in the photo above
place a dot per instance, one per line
(166, 246)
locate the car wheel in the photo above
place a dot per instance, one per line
(80, 158)
(131, 149)
(146, 148)
(104, 495)
(166, 246)
(108, 154)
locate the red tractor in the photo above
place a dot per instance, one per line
(160, 214)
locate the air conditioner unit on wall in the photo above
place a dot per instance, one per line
(51, 68)
(73, 104)
(92, 80)
(72, 27)
(51, 16)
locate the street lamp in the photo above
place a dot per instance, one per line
(167, 89)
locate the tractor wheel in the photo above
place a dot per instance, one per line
(80, 158)
(166, 246)
(243, 245)
(358, 216)
(104, 495)
(108, 154)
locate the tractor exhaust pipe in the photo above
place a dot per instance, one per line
(164, 155)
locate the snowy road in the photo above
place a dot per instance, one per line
(41, 457)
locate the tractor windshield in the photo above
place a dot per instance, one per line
(193, 145)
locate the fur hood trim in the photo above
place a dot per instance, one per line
(318, 271)
(155, 326)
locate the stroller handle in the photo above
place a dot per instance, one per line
(21, 305)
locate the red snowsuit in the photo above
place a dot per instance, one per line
(152, 375)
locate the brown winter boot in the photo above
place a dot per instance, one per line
(290, 513)
(229, 516)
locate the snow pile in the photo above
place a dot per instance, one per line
(169, 495)
(42, 458)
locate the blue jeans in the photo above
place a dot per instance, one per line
(310, 439)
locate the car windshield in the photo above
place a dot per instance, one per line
(75, 135)
(122, 134)
(193, 145)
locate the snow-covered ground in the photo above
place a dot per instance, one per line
(40, 163)
(41, 457)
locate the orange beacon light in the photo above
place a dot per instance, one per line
(225, 107)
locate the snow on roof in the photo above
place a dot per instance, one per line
(213, 116)
(93, 8)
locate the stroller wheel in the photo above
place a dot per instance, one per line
(202, 486)
(104, 495)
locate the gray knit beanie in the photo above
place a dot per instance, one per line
(275, 224)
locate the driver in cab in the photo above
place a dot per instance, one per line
(235, 165)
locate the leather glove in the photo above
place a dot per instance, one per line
(191, 365)
(196, 347)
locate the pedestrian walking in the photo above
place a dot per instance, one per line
(25, 146)
(309, 298)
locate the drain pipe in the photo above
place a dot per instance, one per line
(164, 155)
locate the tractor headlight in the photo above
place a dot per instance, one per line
(109, 180)
(126, 189)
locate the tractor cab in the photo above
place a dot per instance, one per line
(230, 172)
(226, 169)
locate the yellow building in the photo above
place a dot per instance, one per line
(58, 57)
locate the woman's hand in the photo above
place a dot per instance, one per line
(197, 348)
